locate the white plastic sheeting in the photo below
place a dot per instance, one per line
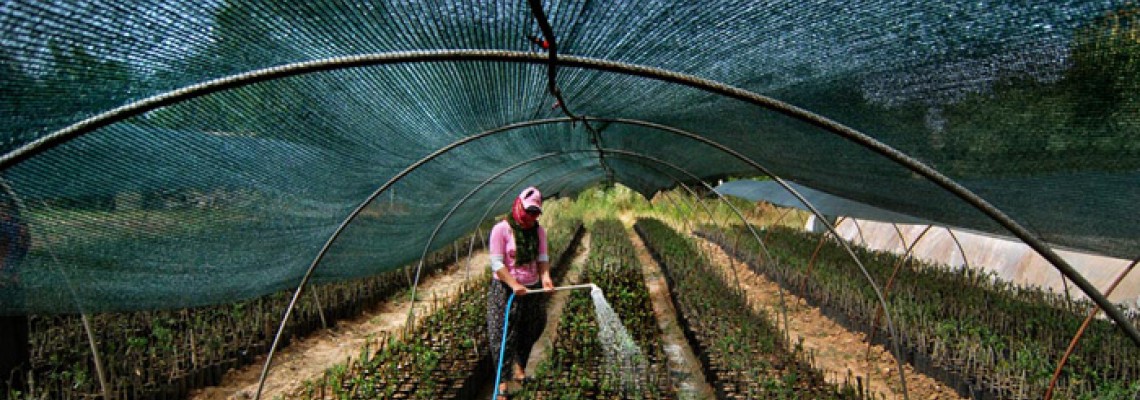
(1008, 258)
(827, 204)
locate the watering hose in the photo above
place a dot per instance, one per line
(506, 322)
(590, 286)
(503, 346)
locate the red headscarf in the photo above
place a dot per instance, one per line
(521, 217)
(529, 198)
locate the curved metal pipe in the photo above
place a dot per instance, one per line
(446, 217)
(828, 125)
(859, 231)
(492, 204)
(806, 203)
(891, 281)
(898, 231)
(351, 216)
(1081, 331)
(484, 134)
(965, 260)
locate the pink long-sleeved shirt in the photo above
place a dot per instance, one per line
(502, 251)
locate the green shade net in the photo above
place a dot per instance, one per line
(232, 194)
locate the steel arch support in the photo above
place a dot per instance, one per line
(446, 217)
(355, 212)
(798, 196)
(137, 108)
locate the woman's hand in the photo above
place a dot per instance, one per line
(547, 282)
(520, 290)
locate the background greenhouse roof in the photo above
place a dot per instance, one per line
(210, 186)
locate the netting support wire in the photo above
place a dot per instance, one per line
(697, 197)
(906, 258)
(471, 250)
(1081, 331)
(899, 233)
(84, 319)
(446, 217)
(687, 212)
(320, 310)
(1069, 296)
(683, 213)
(80, 128)
(351, 216)
(806, 203)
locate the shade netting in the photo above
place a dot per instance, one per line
(231, 192)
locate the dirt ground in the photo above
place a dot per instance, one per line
(307, 358)
(836, 349)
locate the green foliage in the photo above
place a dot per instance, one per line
(577, 365)
(601, 202)
(987, 329)
(742, 349)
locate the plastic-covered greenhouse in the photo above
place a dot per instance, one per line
(167, 154)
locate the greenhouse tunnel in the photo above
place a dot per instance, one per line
(169, 154)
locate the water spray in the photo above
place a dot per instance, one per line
(594, 291)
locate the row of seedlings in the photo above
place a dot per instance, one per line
(167, 354)
(743, 354)
(445, 356)
(583, 365)
(975, 332)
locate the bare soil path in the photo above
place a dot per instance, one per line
(554, 309)
(684, 366)
(307, 358)
(837, 350)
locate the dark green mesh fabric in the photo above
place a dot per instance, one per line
(1033, 106)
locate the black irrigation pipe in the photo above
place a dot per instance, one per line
(137, 108)
(552, 54)
(551, 44)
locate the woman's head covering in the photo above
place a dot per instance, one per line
(531, 199)
(527, 207)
